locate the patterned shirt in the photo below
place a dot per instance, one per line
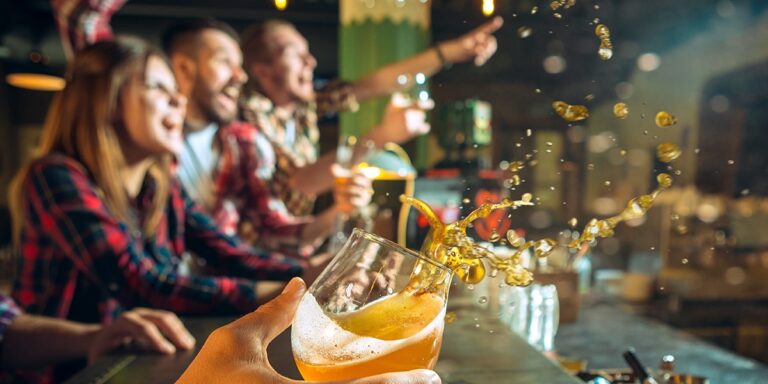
(79, 262)
(245, 204)
(293, 142)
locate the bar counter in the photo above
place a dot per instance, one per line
(476, 349)
(606, 328)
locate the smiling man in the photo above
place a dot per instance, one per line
(207, 61)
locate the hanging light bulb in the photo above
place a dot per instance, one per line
(488, 7)
(281, 4)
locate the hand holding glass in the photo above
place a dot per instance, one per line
(377, 308)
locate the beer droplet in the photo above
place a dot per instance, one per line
(494, 237)
(589, 97)
(606, 47)
(565, 4)
(482, 300)
(664, 180)
(731, 162)
(573, 222)
(570, 112)
(607, 183)
(450, 317)
(665, 119)
(524, 32)
(528, 132)
(544, 247)
(668, 152)
(514, 240)
(534, 10)
(605, 53)
(621, 110)
(466, 200)
(557, 15)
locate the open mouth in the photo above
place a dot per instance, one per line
(173, 123)
(228, 96)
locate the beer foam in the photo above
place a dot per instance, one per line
(318, 340)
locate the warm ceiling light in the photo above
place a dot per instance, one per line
(35, 81)
(281, 4)
(488, 7)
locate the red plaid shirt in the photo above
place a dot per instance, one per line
(244, 202)
(79, 262)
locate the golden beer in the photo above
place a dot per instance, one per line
(400, 332)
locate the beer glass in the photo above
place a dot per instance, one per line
(376, 308)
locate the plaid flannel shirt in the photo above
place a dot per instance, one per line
(244, 202)
(79, 262)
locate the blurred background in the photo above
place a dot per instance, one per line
(700, 255)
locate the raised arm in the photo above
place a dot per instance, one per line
(83, 22)
(477, 45)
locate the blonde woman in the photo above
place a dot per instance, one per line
(100, 221)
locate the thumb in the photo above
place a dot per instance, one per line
(276, 315)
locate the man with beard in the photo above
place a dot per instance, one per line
(217, 167)
(282, 103)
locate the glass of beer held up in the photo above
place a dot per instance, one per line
(377, 308)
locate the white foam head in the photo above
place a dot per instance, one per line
(316, 339)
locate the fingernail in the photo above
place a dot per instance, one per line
(295, 286)
(169, 349)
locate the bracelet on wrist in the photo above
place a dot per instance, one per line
(443, 61)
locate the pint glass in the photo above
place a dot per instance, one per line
(376, 308)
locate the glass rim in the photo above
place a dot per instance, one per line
(389, 243)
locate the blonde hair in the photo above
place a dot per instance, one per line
(84, 122)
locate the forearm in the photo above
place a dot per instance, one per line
(315, 178)
(383, 81)
(35, 341)
(321, 228)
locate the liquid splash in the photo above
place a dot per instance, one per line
(665, 119)
(606, 47)
(570, 112)
(668, 152)
(524, 32)
(565, 4)
(449, 244)
(621, 110)
(635, 208)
